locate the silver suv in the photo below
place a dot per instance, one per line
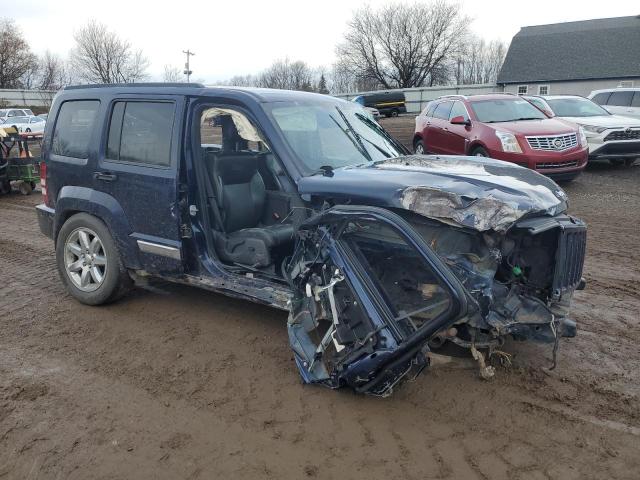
(620, 101)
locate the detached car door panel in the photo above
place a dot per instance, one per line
(139, 166)
(368, 294)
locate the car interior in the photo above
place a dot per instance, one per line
(252, 208)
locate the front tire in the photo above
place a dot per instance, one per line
(88, 261)
(479, 152)
(418, 147)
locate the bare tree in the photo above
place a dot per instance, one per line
(100, 56)
(287, 75)
(172, 74)
(479, 61)
(53, 74)
(401, 45)
(17, 63)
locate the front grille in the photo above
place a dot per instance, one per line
(553, 143)
(572, 244)
(623, 135)
(551, 165)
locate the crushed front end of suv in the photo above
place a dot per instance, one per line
(303, 202)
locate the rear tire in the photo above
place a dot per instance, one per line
(88, 261)
(418, 147)
(394, 113)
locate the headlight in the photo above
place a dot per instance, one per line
(509, 142)
(594, 129)
(583, 137)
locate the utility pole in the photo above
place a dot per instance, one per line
(187, 71)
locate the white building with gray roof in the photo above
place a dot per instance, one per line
(573, 57)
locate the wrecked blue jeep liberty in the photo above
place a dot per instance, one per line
(303, 202)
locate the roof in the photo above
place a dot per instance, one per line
(590, 49)
(258, 94)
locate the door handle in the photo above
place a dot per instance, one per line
(105, 176)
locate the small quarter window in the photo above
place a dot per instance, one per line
(73, 129)
(140, 132)
(523, 89)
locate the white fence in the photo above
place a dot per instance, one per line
(417, 98)
(26, 98)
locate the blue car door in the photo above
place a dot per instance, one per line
(138, 167)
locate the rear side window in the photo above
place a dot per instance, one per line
(636, 99)
(620, 99)
(140, 132)
(74, 125)
(442, 110)
(601, 98)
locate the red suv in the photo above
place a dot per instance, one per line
(504, 127)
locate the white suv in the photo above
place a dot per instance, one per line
(612, 137)
(621, 101)
(6, 113)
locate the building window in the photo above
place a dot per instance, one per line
(626, 84)
(543, 89)
(523, 89)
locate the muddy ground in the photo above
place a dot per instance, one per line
(181, 383)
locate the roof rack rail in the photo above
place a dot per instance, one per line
(137, 85)
(454, 95)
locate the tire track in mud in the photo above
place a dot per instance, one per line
(196, 383)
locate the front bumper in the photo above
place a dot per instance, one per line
(557, 165)
(614, 149)
(46, 216)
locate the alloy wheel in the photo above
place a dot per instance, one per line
(85, 260)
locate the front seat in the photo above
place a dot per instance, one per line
(241, 196)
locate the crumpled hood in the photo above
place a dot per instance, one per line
(478, 193)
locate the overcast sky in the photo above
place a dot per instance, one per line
(240, 36)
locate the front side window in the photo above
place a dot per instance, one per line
(602, 98)
(620, 99)
(74, 126)
(332, 134)
(442, 110)
(140, 132)
(505, 110)
(576, 107)
(459, 110)
(636, 99)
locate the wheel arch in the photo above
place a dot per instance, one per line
(476, 144)
(72, 200)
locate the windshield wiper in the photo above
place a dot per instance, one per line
(357, 140)
(373, 124)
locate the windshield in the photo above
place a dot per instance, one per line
(505, 110)
(333, 135)
(576, 107)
